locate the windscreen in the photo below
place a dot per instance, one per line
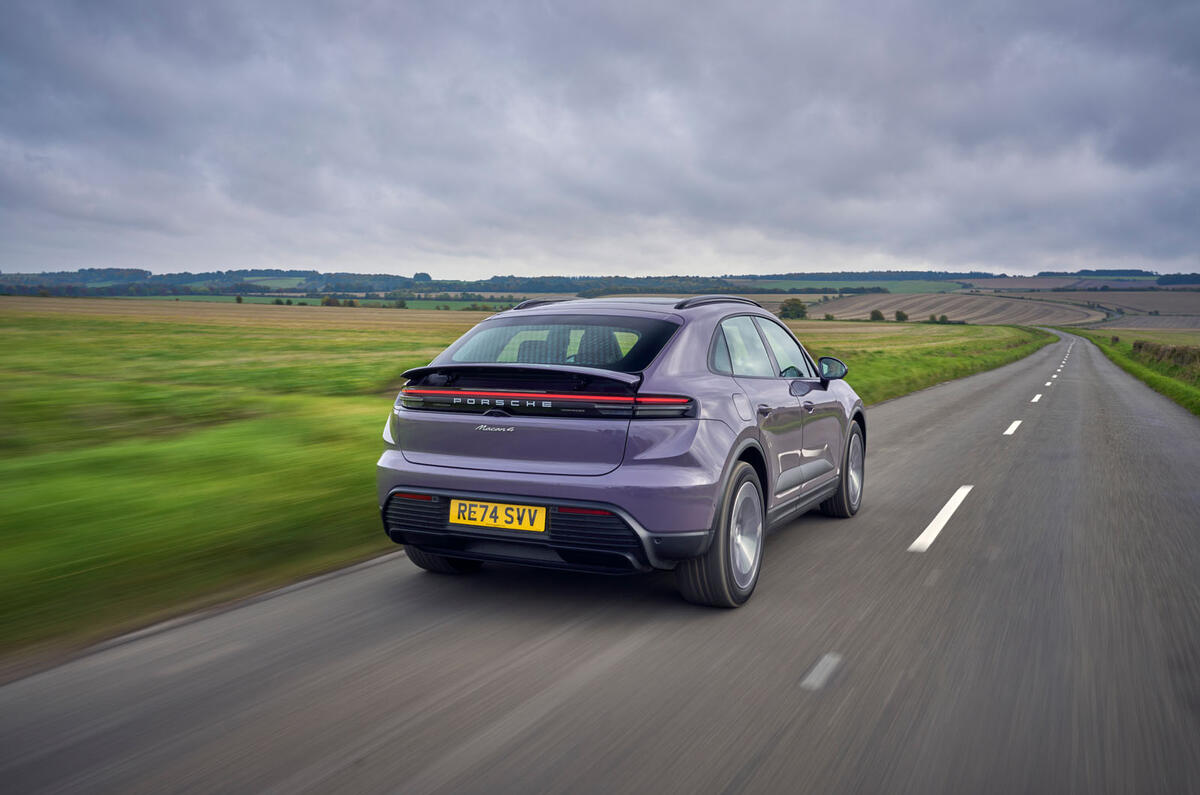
(623, 344)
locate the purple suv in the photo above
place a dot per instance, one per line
(620, 435)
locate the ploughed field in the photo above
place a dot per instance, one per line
(980, 309)
(160, 455)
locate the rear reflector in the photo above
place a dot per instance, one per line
(585, 511)
(405, 496)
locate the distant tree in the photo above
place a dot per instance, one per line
(278, 302)
(400, 303)
(828, 316)
(422, 277)
(901, 316)
(302, 303)
(943, 319)
(876, 314)
(288, 302)
(329, 300)
(238, 299)
(933, 318)
(793, 308)
(349, 302)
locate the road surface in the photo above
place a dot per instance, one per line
(1039, 632)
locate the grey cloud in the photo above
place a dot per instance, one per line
(609, 137)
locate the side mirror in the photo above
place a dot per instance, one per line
(831, 368)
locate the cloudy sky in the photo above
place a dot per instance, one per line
(468, 139)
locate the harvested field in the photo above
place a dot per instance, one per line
(1175, 302)
(1152, 322)
(977, 309)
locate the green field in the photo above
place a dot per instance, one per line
(159, 456)
(412, 303)
(887, 360)
(892, 285)
(1180, 382)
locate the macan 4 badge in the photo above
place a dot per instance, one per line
(501, 428)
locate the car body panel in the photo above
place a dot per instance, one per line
(665, 475)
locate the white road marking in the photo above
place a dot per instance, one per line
(1013, 428)
(931, 532)
(1047, 383)
(1036, 398)
(1054, 376)
(821, 672)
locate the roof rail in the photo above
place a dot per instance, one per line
(532, 302)
(700, 300)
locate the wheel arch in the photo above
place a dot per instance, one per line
(860, 417)
(752, 454)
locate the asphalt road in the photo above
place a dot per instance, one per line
(1046, 640)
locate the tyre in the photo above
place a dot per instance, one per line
(440, 564)
(845, 503)
(725, 576)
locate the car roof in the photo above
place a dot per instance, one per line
(658, 305)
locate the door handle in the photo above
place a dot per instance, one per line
(809, 406)
(764, 410)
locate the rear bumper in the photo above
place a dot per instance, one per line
(669, 481)
(612, 544)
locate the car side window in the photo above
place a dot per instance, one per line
(747, 355)
(718, 359)
(792, 363)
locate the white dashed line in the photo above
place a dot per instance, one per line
(1047, 383)
(1036, 398)
(1013, 428)
(931, 532)
(1054, 376)
(821, 672)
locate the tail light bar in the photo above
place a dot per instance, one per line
(518, 403)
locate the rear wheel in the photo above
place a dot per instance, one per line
(845, 503)
(725, 576)
(440, 564)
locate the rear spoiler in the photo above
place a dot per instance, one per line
(629, 379)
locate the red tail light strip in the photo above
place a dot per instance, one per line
(546, 396)
(404, 496)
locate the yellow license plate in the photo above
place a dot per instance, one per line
(498, 515)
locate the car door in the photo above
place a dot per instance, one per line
(780, 417)
(823, 424)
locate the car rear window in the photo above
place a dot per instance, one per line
(623, 344)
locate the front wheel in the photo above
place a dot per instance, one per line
(845, 503)
(725, 576)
